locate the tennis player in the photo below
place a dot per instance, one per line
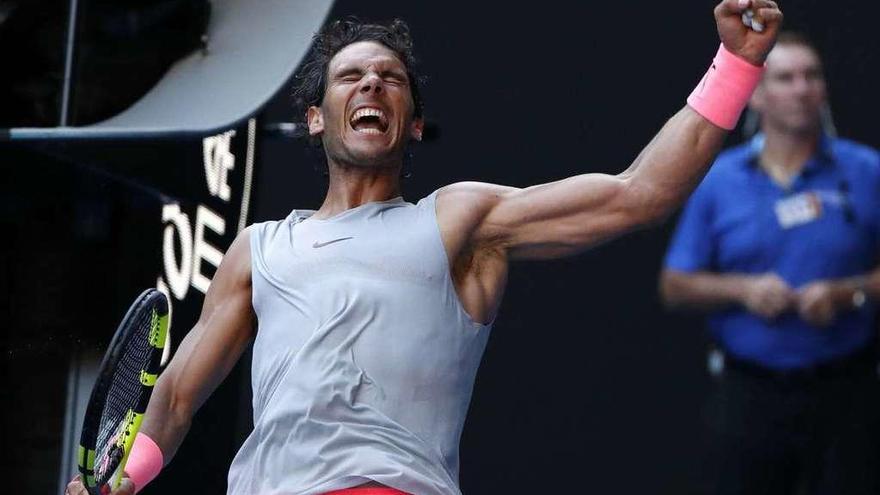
(369, 316)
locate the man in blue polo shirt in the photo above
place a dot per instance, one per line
(780, 244)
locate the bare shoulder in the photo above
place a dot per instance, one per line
(235, 269)
(462, 207)
(230, 290)
(240, 249)
(475, 190)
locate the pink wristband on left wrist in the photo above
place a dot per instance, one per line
(144, 462)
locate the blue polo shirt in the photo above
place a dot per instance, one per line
(826, 225)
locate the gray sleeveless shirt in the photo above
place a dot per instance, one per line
(364, 360)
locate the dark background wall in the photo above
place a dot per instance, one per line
(587, 383)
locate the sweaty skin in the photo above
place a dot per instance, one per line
(483, 226)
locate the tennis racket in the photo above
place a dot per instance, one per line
(122, 391)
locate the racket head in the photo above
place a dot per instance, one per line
(122, 391)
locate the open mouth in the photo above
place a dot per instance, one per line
(369, 121)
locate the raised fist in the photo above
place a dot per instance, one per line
(751, 42)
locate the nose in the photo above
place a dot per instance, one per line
(371, 83)
(801, 84)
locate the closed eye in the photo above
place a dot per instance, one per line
(354, 75)
(394, 77)
(350, 75)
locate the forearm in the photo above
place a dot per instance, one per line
(678, 157)
(166, 421)
(847, 291)
(702, 291)
(674, 162)
(872, 285)
(567, 216)
(203, 359)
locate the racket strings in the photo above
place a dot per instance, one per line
(123, 394)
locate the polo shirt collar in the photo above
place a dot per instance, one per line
(823, 157)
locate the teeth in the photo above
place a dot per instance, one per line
(369, 112)
(369, 131)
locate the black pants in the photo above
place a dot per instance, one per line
(810, 432)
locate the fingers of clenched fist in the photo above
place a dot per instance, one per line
(126, 487)
(762, 10)
(759, 13)
(76, 487)
(749, 21)
(748, 27)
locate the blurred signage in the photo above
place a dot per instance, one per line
(199, 229)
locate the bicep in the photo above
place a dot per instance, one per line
(223, 331)
(564, 217)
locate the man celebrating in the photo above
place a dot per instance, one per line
(371, 314)
(780, 243)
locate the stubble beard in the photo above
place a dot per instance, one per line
(340, 156)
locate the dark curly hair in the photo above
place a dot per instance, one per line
(312, 76)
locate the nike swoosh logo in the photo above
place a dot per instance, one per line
(705, 78)
(322, 244)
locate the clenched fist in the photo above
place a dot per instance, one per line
(76, 487)
(742, 40)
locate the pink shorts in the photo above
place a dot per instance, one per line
(367, 490)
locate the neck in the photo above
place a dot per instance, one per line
(785, 153)
(353, 186)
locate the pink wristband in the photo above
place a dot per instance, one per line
(144, 462)
(725, 89)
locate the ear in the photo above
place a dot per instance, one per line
(316, 121)
(416, 128)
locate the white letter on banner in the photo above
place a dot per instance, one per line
(203, 250)
(178, 276)
(218, 161)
